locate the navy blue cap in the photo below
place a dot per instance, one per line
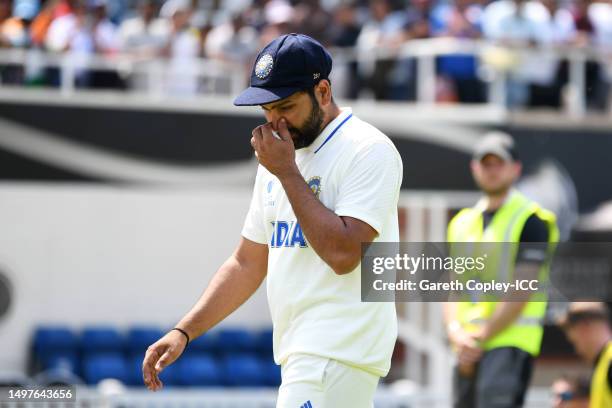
(290, 63)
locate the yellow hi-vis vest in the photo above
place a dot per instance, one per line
(601, 394)
(505, 226)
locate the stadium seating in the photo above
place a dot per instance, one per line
(205, 344)
(98, 367)
(264, 343)
(198, 370)
(141, 337)
(50, 340)
(101, 339)
(243, 370)
(235, 340)
(232, 356)
(67, 360)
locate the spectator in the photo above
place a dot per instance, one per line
(570, 393)
(377, 44)
(344, 32)
(417, 25)
(278, 15)
(345, 28)
(560, 22)
(145, 34)
(14, 33)
(313, 20)
(522, 26)
(15, 30)
(587, 326)
(557, 25)
(600, 14)
(254, 15)
(233, 41)
(589, 31)
(5, 15)
(182, 48)
(594, 20)
(104, 32)
(40, 24)
(82, 33)
(460, 20)
(418, 21)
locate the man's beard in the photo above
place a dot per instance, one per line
(309, 131)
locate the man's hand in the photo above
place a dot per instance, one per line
(159, 355)
(468, 348)
(278, 156)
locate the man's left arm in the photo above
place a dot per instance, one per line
(335, 236)
(529, 260)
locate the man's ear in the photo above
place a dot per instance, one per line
(473, 165)
(324, 91)
(518, 169)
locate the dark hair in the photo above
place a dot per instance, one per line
(573, 317)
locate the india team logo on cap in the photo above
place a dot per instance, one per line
(264, 66)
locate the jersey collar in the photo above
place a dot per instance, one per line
(330, 130)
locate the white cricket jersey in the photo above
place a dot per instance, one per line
(355, 170)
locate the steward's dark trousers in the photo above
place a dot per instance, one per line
(500, 380)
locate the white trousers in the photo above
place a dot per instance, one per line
(315, 382)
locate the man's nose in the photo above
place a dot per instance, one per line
(273, 118)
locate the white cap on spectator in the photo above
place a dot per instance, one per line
(278, 12)
(171, 7)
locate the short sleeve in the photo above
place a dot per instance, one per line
(369, 189)
(534, 230)
(253, 228)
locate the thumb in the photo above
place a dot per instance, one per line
(283, 130)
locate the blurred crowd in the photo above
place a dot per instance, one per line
(234, 30)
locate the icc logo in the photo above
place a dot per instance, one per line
(315, 185)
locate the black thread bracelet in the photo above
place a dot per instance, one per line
(184, 334)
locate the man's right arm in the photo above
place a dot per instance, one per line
(235, 281)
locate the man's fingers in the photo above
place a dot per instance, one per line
(257, 139)
(150, 376)
(283, 130)
(147, 365)
(257, 133)
(470, 355)
(267, 133)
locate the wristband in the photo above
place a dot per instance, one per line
(184, 333)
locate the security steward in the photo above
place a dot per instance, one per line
(496, 340)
